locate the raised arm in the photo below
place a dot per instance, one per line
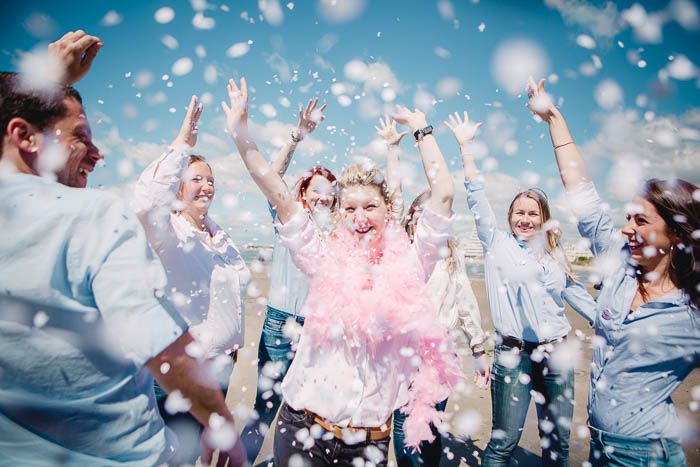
(572, 167)
(392, 138)
(269, 181)
(158, 184)
(76, 50)
(464, 131)
(436, 171)
(309, 119)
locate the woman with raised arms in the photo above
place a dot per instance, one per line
(370, 343)
(317, 193)
(207, 277)
(647, 319)
(527, 280)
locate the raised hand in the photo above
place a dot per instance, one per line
(76, 50)
(309, 118)
(237, 114)
(464, 130)
(414, 119)
(389, 132)
(539, 101)
(188, 131)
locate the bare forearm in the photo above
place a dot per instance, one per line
(280, 164)
(267, 179)
(572, 167)
(187, 375)
(393, 169)
(438, 175)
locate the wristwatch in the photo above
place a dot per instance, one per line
(296, 136)
(421, 133)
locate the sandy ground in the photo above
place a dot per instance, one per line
(461, 450)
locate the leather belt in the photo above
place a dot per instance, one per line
(373, 433)
(526, 346)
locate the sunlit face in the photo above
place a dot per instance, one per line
(364, 212)
(646, 233)
(197, 190)
(320, 192)
(526, 219)
(73, 133)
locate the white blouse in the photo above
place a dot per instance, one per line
(207, 277)
(343, 383)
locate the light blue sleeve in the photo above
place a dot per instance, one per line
(484, 218)
(593, 222)
(580, 300)
(109, 257)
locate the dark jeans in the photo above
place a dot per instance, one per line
(317, 447)
(430, 452)
(187, 429)
(510, 398)
(274, 357)
(608, 449)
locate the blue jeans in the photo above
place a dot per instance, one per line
(430, 452)
(510, 398)
(274, 357)
(608, 449)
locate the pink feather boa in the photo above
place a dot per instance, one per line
(372, 304)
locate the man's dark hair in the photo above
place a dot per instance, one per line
(39, 109)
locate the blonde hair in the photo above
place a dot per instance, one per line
(552, 235)
(360, 175)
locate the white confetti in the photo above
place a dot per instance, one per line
(481, 27)
(170, 42)
(164, 15)
(284, 102)
(344, 101)
(356, 70)
(448, 87)
(442, 52)
(681, 68)
(210, 74)
(272, 11)
(608, 94)
(199, 21)
(446, 9)
(176, 403)
(40, 71)
(510, 148)
(268, 110)
(40, 319)
(467, 423)
(290, 6)
(341, 11)
(515, 61)
(238, 49)
(200, 51)
(125, 168)
(111, 18)
(585, 41)
(182, 66)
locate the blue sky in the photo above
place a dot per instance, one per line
(623, 73)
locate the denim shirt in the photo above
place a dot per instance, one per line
(640, 356)
(526, 290)
(288, 285)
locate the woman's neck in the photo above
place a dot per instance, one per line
(197, 219)
(656, 278)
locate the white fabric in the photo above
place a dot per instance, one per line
(455, 300)
(357, 393)
(207, 277)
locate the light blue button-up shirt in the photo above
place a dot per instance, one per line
(79, 318)
(526, 288)
(643, 355)
(288, 285)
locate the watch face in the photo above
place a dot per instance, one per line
(427, 130)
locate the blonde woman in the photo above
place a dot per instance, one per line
(369, 344)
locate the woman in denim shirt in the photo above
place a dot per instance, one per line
(527, 280)
(647, 321)
(316, 190)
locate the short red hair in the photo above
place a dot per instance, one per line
(305, 181)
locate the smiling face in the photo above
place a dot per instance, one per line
(197, 189)
(364, 212)
(526, 218)
(647, 234)
(320, 192)
(73, 133)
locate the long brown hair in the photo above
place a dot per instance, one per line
(553, 234)
(675, 202)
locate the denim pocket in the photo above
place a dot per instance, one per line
(273, 325)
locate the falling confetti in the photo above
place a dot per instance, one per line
(164, 15)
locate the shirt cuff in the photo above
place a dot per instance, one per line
(474, 184)
(294, 232)
(583, 200)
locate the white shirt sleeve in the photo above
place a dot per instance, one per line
(432, 232)
(158, 184)
(303, 239)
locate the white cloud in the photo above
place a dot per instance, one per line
(602, 21)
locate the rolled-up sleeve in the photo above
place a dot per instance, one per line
(432, 232)
(593, 222)
(158, 184)
(484, 218)
(109, 253)
(303, 239)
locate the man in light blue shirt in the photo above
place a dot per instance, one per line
(82, 315)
